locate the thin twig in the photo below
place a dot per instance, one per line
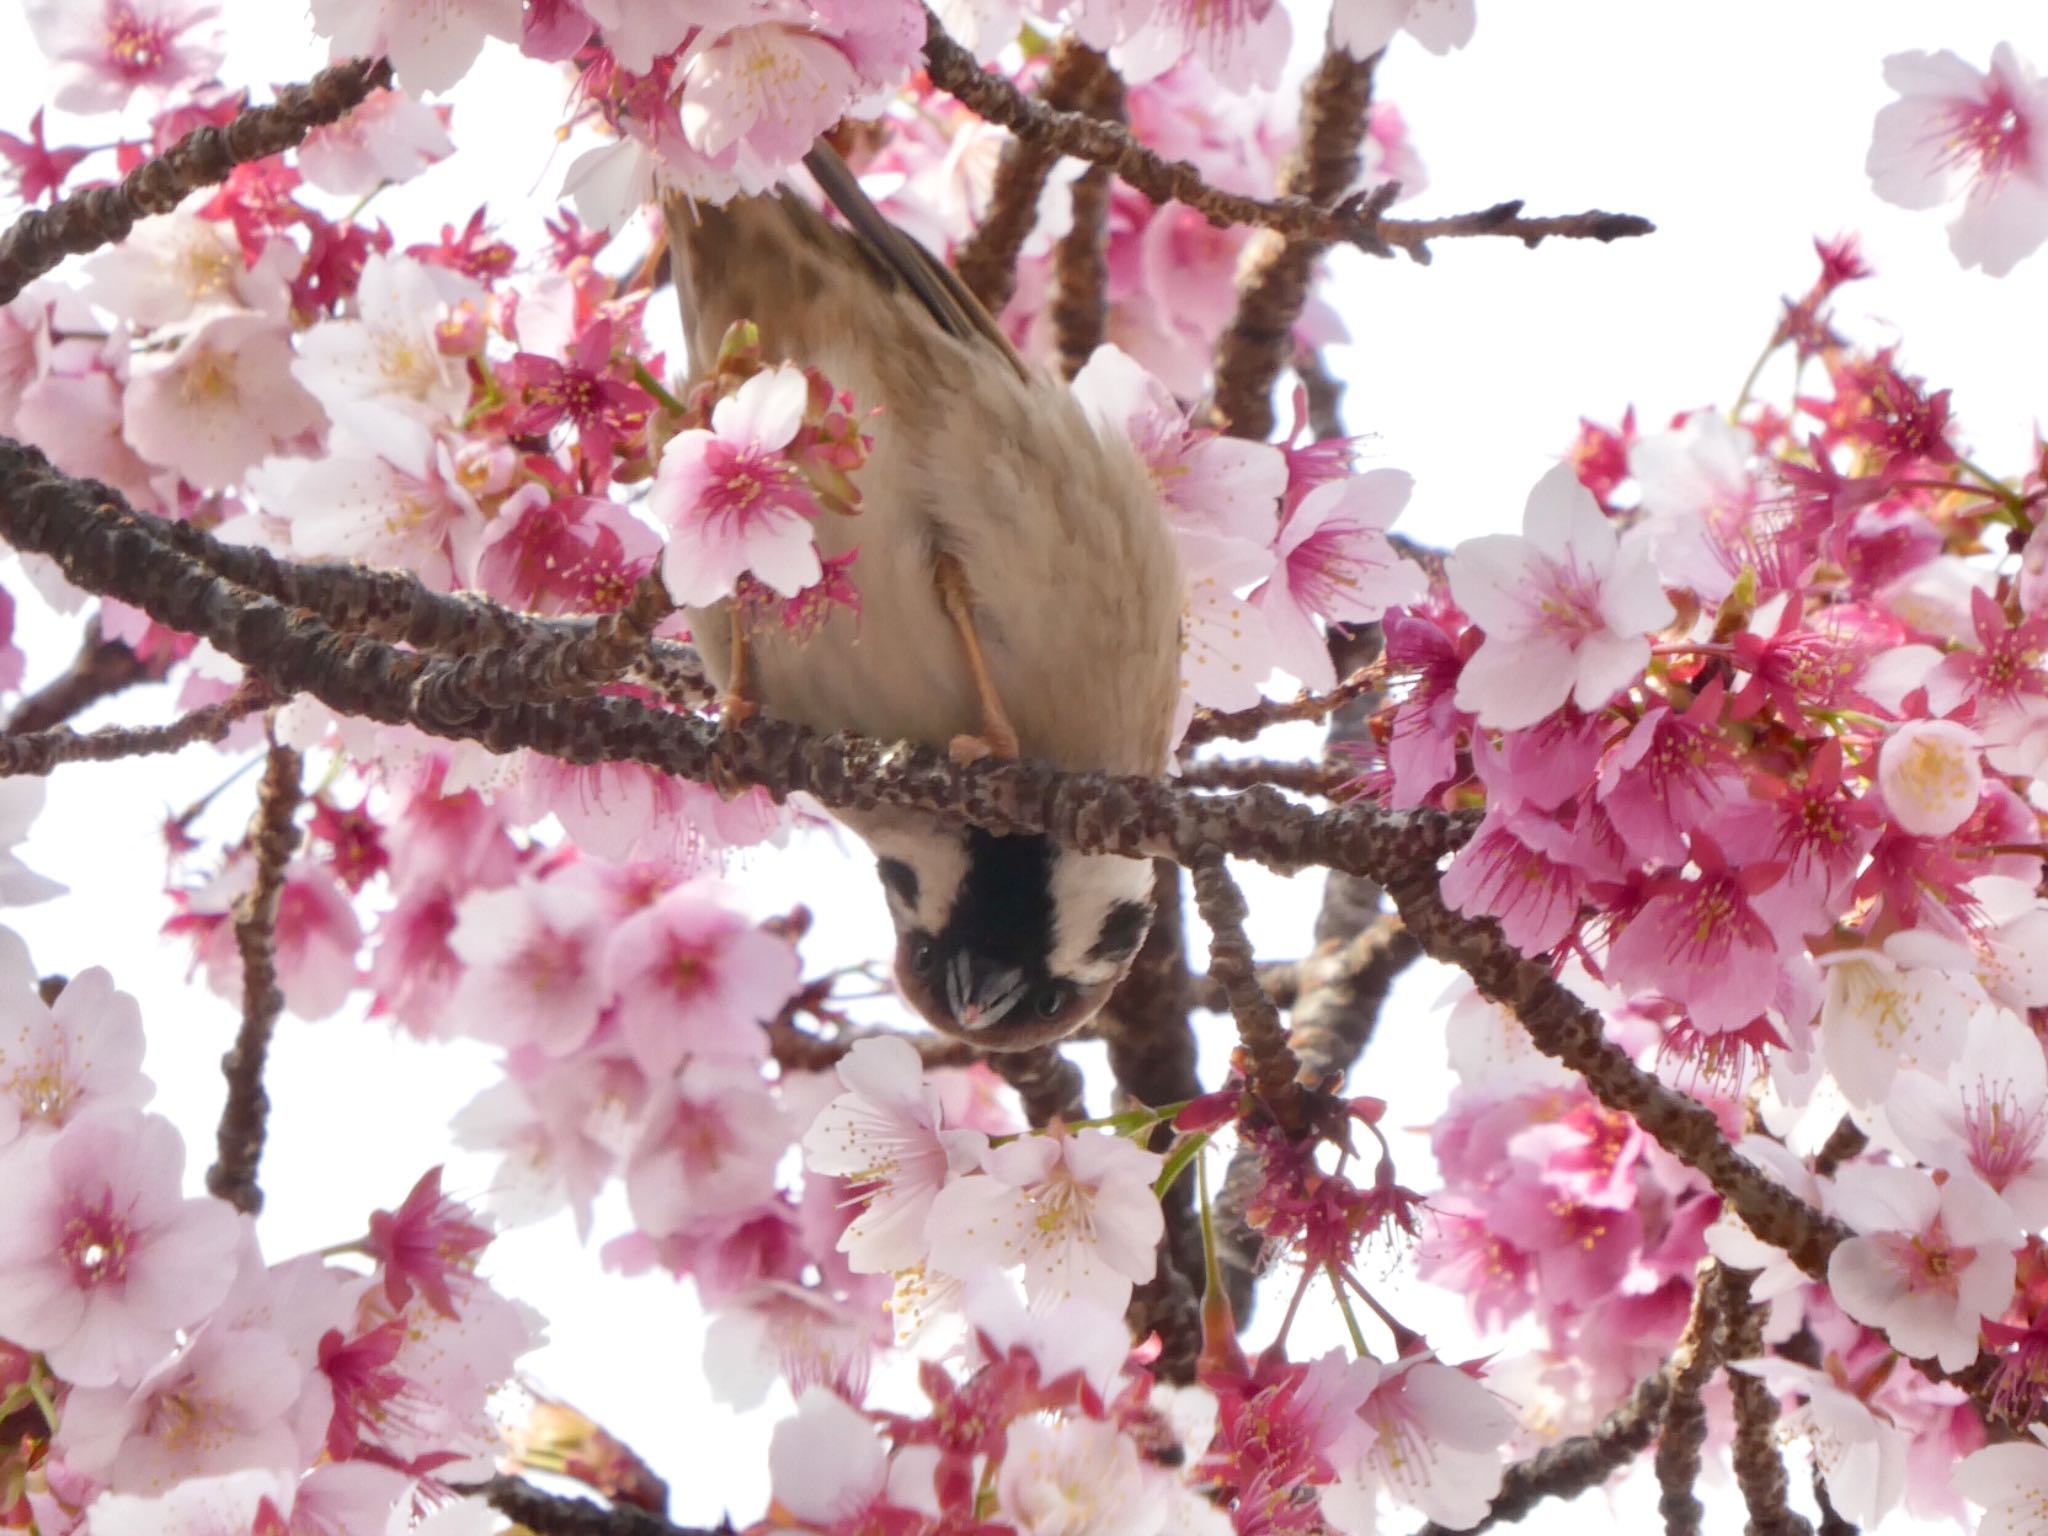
(1693, 1363)
(1325, 393)
(552, 1514)
(101, 669)
(1759, 1465)
(42, 237)
(1080, 303)
(243, 1119)
(1273, 274)
(39, 752)
(1358, 220)
(1048, 1083)
(1571, 1466)
(1270, 1064)
(1246, 724)
(1148, 1029)
(987, 259)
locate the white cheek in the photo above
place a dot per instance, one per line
(940, 864)
(1084, 891)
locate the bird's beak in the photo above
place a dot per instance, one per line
(981, 1000)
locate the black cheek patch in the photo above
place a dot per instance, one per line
(900, 878)
(1123, 930)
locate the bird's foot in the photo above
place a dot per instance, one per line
(996, 740)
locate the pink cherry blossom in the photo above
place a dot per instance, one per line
(769, 88)
(389, 137)
(424, 1244)
(885, 1137)
(1076, 1209)
(1336, 564)
(217, 1406)
(1362, 27)
(101, 1260)
(696, 978)
(777, 1331)
(1244, 44)
(561, 1128)
(83, 1049)
(1701, 943)
(431, 43)
(1566, 607)
(532, 954)
(1932, 1261)
(233, 1505)
(106, 50)
(1958, 132)
(1209, 484)
(1428, 1435)
(1861, 1456)
(221, 403)
(707, 1148)
(1989, 1116)
(731, 501)
(180, 268)
(1226, 645)
(1512, 872)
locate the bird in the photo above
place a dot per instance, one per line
(1020, 596)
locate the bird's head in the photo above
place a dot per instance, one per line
(1009, 941)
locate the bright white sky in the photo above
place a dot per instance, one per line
(1739, 128)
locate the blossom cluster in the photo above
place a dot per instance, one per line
(159, 1372)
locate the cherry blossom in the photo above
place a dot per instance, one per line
(533, 977)
(696, 978)
(386, 361)
(431, 43)
(1930, 776)
(220, 404)
(1076, 1477)
(2010, 1481)
(389, 137)
(181, 268)
(1932, 1263)
(707, 1149)
(102, 1260)
(1430, 1436)
(1362, 27)
(106, 50)
(826, 1464)
(1566, 606)
(1336, 564)
(1956, 131)
(85, 1048)
(771, 88)
(1989, 1116)
(731, 501)
(1862, 1456)
(885, 1136)
(1907, 1004)
(210, 1506)
(1075, 1209)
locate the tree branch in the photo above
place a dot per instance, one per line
(101, 669)
(550, 1514)
(40, 752)
(272, 841)
(1759, 1467)
(1273, 274)
(1358, 220)
(1570, 1467)
(42, 237)
(1270, 1066)
(1080, 304)
(987, 259)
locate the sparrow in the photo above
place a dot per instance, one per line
(1020, 595)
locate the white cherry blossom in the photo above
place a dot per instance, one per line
(1934, 1259)
(1930, 776)
(885, 1137)
(1076, 1209)
(1989, 1117)
(1906, 1005)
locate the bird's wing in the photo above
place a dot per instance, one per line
(951, 303)
(761, 258)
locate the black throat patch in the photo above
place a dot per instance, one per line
(1003, 914)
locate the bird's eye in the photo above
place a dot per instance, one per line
(1051, 1000)
(924, 956)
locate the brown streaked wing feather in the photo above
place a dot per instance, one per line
(958, 312)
